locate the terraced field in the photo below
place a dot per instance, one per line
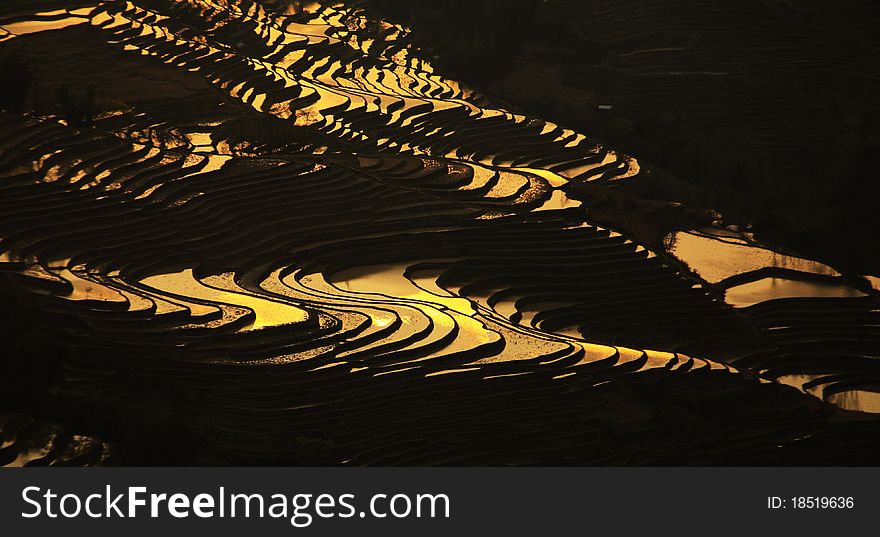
(259, 232)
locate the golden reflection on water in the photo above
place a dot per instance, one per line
(717, 254)
(295, 7)
(553, 178)
(861, 400)
(717, 258)
(48, 20)
(84, 289)
(559, 200)
(857, 400)
(798, 381)
(752, 293)
(389, 280)
(449, 315)
(267, 312)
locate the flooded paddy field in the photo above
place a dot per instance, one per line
(254, 232)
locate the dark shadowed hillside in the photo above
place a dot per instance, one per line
(769, 111)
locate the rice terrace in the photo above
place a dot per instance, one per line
(439, 233)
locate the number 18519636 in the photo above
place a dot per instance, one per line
(811, 502)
